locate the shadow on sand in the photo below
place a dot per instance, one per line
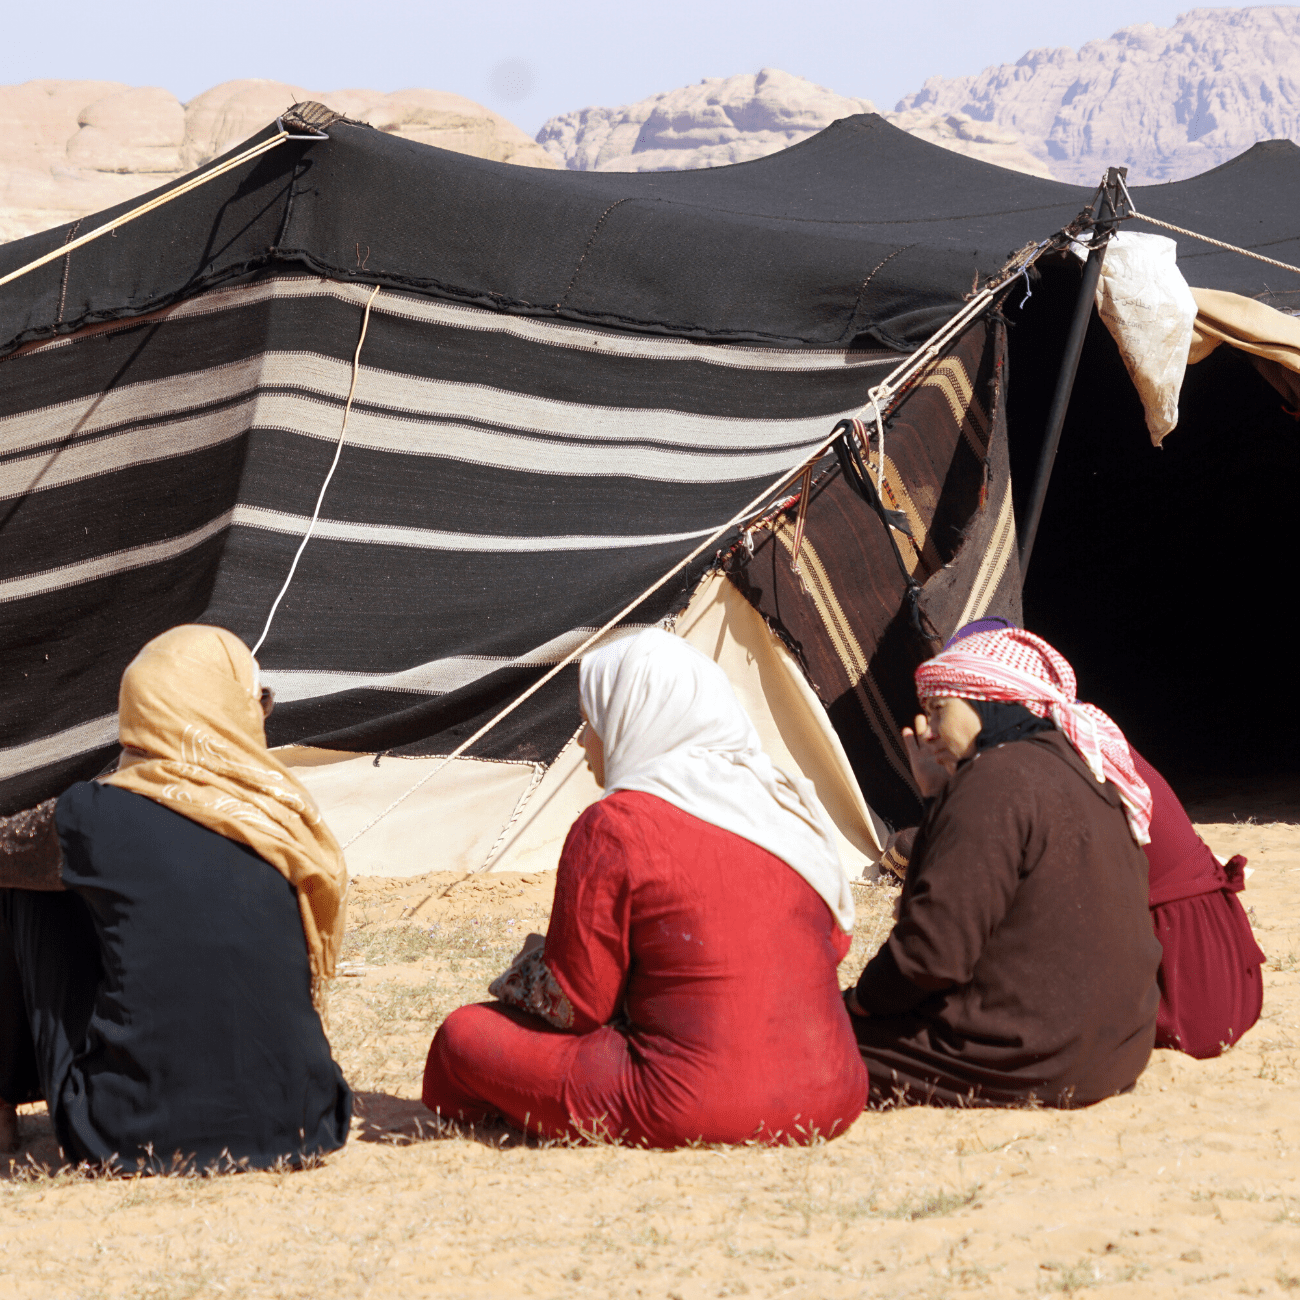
(399, 1121)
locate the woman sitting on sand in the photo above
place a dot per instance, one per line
(1022, 967)
(164, 929)
(686, 989)
(1211, 990)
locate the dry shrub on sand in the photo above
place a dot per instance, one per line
(1187, 1186)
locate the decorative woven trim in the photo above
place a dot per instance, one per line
(530, 986)
(31, 856)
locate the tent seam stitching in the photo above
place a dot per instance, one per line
(67, 270)
(902, 248)
(595, 230)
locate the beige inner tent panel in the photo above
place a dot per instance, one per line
(1270, 337)
(451, 823)
(477, 816)
(790, 720)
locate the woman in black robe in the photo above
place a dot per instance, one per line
(165, 933)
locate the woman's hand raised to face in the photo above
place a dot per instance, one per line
(929, 758)
(939, 739)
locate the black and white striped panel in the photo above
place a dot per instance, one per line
(507, 484)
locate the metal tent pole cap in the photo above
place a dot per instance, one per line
(1107, 204)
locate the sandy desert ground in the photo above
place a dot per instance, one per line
(1188, 1186)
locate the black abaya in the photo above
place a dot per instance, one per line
(168, 996)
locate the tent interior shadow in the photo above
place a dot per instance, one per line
(1161, 573)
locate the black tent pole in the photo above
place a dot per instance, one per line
(1106, 214)
(1060, 403)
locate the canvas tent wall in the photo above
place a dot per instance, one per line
(568, 378)
(507, 816)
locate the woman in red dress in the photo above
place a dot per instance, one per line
(686, 990)
(1211, 989)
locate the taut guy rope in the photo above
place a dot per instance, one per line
(202, 178)
(890, 385)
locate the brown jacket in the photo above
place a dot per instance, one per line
(1023, 964)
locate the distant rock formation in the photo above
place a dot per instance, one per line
(68, 148)
(963, 134)
(734, 119)
(1166, 102)
(716, 122)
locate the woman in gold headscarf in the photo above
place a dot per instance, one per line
(165, 933)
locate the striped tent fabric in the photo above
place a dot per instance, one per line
(845, 612)
(507, 483)
(570, 378)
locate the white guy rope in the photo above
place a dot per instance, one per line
(880, 464)
(338, 451)
(933, 346)
(1205, 239)
(931, 349)
(264, 146)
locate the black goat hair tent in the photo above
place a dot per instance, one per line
(568, 381)
(859, 230)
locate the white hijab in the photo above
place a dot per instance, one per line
(672, 727)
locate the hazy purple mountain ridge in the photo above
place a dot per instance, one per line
(725, 120)
(1166, 102)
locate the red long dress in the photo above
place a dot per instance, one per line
(722, 961)
(1211, 990)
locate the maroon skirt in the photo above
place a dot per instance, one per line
(1211, 988)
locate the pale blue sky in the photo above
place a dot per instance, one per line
(530, 61)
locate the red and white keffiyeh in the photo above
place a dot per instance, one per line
(1016, 667)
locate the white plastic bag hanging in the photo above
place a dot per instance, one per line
(1149, 311)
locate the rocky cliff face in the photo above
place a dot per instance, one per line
(719, 121)
(68, 148)
(734, 119)
(1167, 102)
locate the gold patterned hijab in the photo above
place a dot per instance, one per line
(189, 701)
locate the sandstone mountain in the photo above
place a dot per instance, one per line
(733, 119)
(1167, 102)
(68, 148)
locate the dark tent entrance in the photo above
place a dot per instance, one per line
(1160, 572)
(568, 380)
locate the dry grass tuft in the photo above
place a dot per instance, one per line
(875, 918)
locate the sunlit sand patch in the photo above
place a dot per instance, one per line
(1188, 1186)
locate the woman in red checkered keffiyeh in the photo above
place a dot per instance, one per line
(1022, 966)
(1012, 666)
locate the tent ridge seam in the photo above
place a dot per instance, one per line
(67, 268)
(591, 239)
(857, 302)
(508, 305)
